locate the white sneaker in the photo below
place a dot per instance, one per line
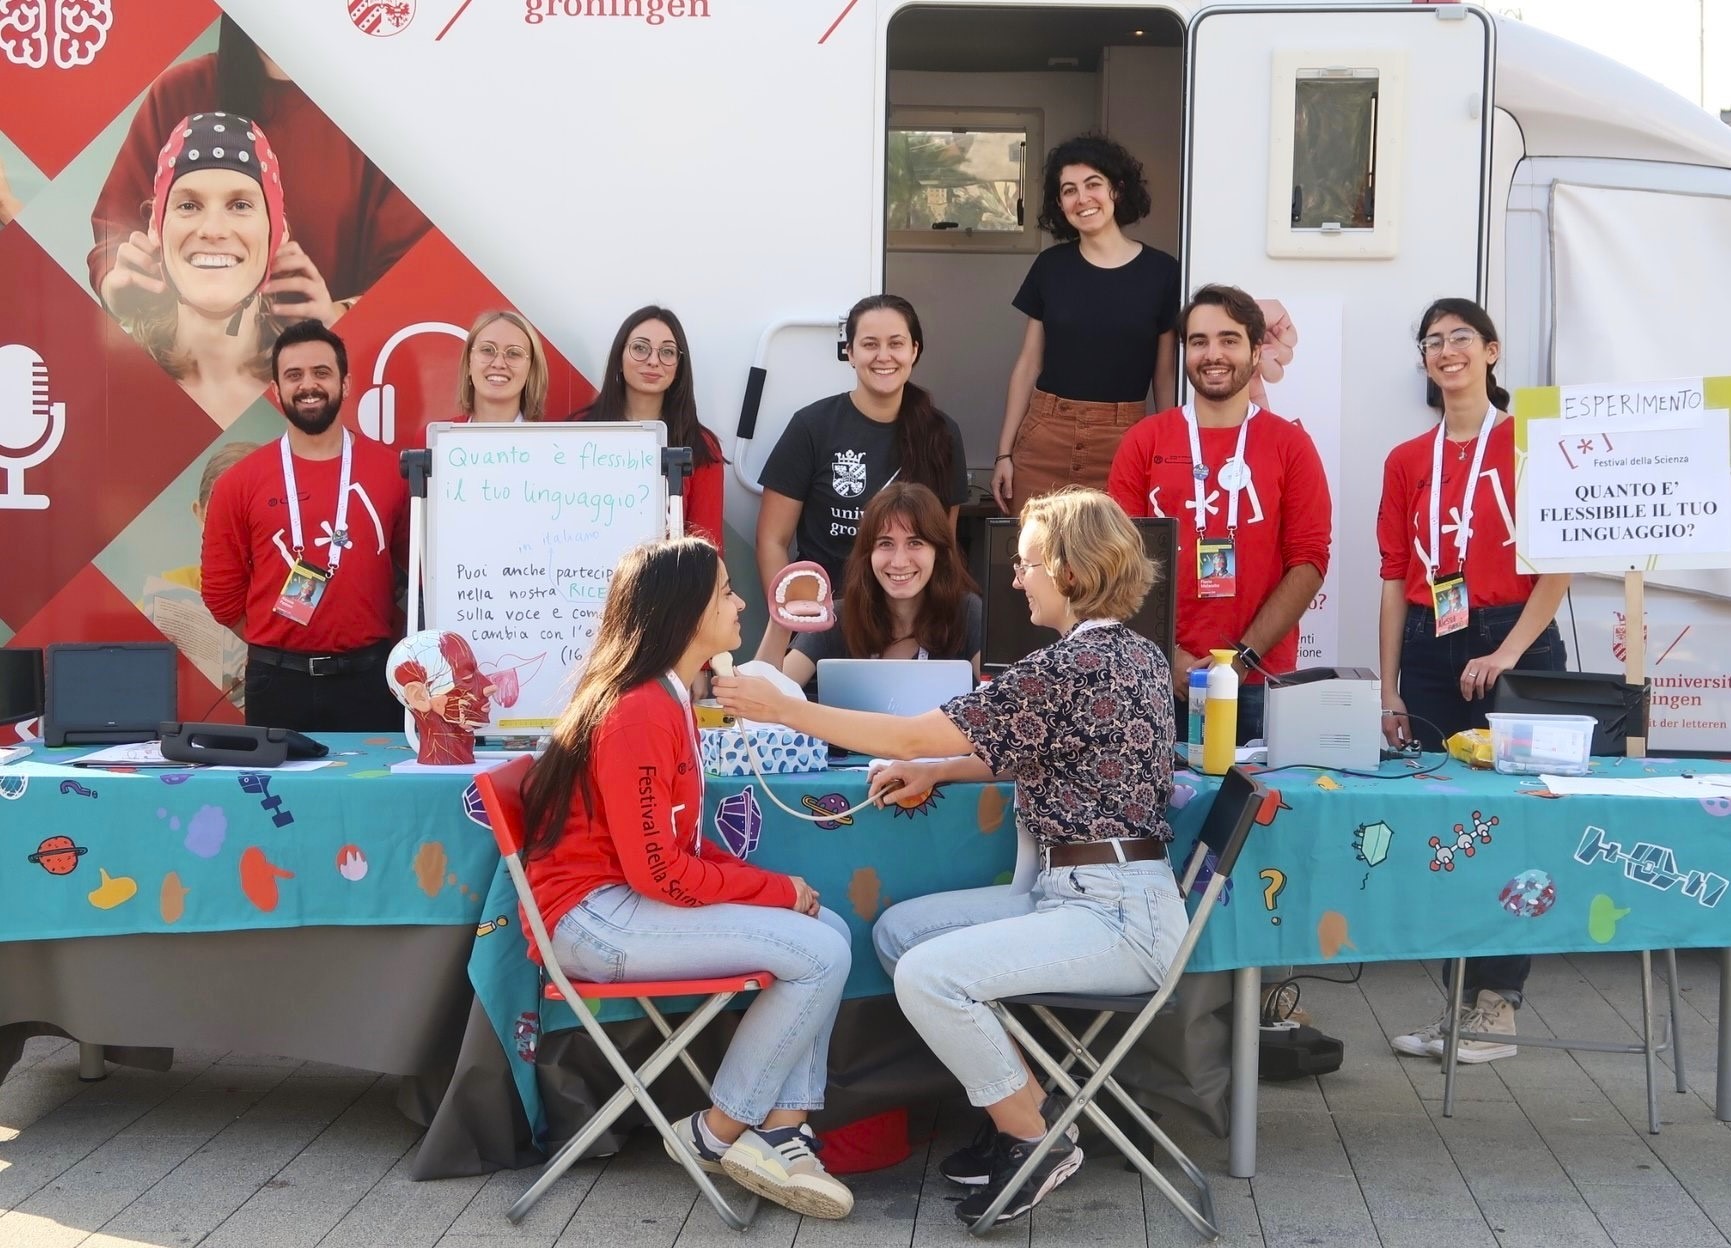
(691, 1135)
(1492, 1015)
(779, 1164)
(1426, 1041)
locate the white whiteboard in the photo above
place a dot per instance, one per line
(525, 525)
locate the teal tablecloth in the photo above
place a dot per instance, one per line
(1341, 868)
(94, 853)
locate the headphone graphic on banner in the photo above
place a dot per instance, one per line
(377, 414)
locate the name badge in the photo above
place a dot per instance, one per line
(1216, 568)
(301, 592)
(1449, 599)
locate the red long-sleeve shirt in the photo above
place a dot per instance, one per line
(247, 548)
(646, 782)
(1284, 518)
(347, 216)
(1403, 519)
(705, 493)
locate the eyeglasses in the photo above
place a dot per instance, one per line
(1021, 567)
(1460, 340)
(488, 352)
(641, 350)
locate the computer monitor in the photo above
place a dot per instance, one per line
(108, 693)
(20, 684)
(1010, 636)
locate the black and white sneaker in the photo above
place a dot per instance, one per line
(1060, 1162)
(971, 1165)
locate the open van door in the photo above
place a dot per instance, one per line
(1337, 160)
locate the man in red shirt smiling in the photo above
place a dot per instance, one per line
(1253, 509)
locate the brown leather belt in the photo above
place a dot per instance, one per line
(1094, 853)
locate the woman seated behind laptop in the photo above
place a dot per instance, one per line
(621, 872)
(906, 593)
(1084, 726)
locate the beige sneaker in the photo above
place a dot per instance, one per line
(1426, 1041)
(779, 1164)
(1490, 1015)
(1284, 1008)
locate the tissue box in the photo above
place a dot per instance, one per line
(779, 750)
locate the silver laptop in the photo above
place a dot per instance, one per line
(892, 686)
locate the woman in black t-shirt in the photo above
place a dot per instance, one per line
(837, 453)
(1102, 312)
(906, 595)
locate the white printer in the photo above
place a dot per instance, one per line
(1324, 717)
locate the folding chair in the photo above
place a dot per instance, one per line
(1649, 1051)
(1224, 831)
(501, 791)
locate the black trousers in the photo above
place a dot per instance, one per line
(359, 701)
(1430, 685)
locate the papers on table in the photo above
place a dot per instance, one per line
(10, 753)
(148, 754)
(1695, 787)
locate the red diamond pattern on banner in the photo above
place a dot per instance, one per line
(90, 608)
(433, 287)
(129, 428)
(63, 80)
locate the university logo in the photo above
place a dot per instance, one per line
(66, 33)
(383, 18)
(848, 474)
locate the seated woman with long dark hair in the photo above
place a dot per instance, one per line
(906, 593)
(620, 871)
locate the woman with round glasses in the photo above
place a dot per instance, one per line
(648, 377)
(1456, 612)
(504, 374)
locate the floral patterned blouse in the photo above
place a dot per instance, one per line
(1085, 727)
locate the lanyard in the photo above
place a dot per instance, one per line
(1463, 531)
(339, 534)
(1199, 472)
(670, 682)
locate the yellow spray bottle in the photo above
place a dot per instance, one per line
(1220, 718)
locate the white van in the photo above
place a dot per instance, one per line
(756, 164)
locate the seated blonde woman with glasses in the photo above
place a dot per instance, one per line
(1084, 726)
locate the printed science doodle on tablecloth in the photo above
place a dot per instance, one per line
(113, 891)
(1272, 805)
(739, 822)
(1651, 864)
(989, 814)
(492, 925)
(1331, 934)
(834, 804)
(172, 899)
(865, 894)
(1274, 880)
(205, 831)
(1463, 840)
(58, 855)
(1370, 841)
(1602, 916)
(525, 1032)
(474, 807)
(258, 784)
(1529, 895)
(12, 787)
(258, 877)
(906, 805)
(73, 786)
(351, 863)
(1205, 872)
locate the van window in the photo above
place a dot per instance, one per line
(958, 180)
(1334, 120)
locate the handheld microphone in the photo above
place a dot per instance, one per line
(31, 426)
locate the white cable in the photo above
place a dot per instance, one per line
(722, 665)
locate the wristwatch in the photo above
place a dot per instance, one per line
(1247, 657)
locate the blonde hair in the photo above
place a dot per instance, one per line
(534, 399)
(1092, 552)
(225, 457)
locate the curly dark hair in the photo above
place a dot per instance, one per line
(1121, 169)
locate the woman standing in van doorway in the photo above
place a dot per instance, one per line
(1102, 310)
(648, 377)
(836, 454)
(1456, 614)
(504, 373)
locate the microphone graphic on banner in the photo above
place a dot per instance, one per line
(30, 426)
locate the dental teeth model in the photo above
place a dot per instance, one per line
(801, 598)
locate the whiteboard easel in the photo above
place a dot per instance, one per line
(521, 499)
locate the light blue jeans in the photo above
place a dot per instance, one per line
(779, 1056)
(1111, 929)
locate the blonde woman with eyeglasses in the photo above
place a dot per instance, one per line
(504, 375)
(648, 377)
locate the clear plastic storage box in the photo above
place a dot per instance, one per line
(1527, 745)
